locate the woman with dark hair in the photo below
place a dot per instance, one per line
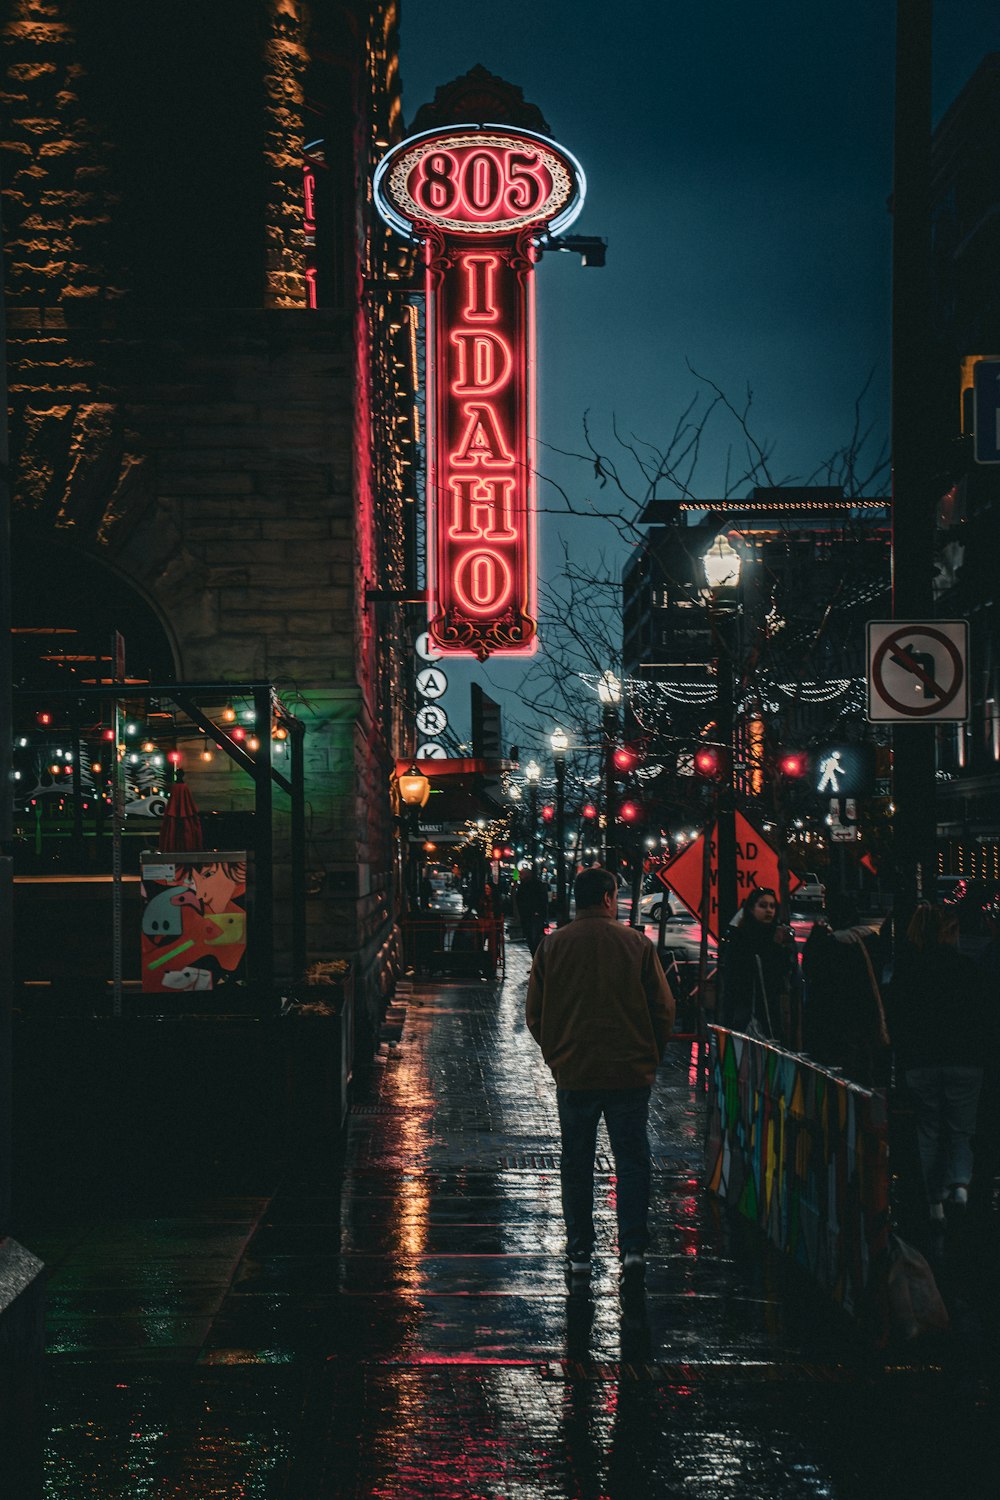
(760, 979)
(939, 1028)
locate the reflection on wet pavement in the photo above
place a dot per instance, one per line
(397, 1323)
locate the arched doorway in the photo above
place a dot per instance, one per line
(66, 607)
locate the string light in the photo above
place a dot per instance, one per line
(253, 743)
(228, 715)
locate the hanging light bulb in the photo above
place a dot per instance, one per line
(207, 754)
(228, 715)
(239, 733)
(253, 743)
(148, 746)
(279, 732)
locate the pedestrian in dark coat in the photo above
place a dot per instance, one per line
(532, 902)
(601, 1010)
(844, 1023)
(760, 980)
(939, 1024)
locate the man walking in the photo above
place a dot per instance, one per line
(601, 1010)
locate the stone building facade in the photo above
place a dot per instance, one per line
(211, 383)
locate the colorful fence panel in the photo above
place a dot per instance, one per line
(804, 1154)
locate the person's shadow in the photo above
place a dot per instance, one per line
(612, 1412)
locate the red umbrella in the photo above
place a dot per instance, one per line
(181, 826)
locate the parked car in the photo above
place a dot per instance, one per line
(811, 892)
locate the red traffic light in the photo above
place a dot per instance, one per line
(707, 762)
(793, 764)
(630, 812)
(548, 813)
(497, 853)
(588, 810)
(625, 758)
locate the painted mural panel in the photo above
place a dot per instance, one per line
(804, 1154)
(194, 920)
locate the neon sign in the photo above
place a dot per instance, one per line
(478, 197)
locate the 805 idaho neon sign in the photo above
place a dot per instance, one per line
(478, 198)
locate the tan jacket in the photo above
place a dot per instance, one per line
(599, 1005)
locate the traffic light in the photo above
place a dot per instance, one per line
(793, 764)
(624, 759)
(708, 763)
(631, 812)
(548, 813)
(588, 811)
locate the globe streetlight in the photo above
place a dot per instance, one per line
(559, 741)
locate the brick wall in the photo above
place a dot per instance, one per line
(198, 430)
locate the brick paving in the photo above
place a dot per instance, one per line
(395, 1322)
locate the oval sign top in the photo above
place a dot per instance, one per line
(478, 180)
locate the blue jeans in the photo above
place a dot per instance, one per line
(626, 1112)
(946, 1121)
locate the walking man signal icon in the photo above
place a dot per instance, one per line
(830, 770)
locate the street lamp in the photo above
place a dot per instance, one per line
(609, 691)
(722, 565)
(560, 744)
(414, 790)
(533, 773)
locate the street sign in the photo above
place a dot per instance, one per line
(986, 411)
(432, 751)
(841, 835)
(918, 671)
(431, 719)
(756, 865)
(431, 682)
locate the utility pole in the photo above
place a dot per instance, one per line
(916, 455)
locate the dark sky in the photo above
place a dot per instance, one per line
(739, 159)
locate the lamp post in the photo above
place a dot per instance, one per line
(533, 773)
(560, 744)
(609, 691)
(722, 576)
(414, 790)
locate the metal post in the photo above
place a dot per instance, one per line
(561, 912)
(77, 781)
(726, 891)
(296, 745)
(533, 813)
(609, 853)
(916, 458)
(263, 948)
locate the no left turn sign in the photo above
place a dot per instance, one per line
(918, 671)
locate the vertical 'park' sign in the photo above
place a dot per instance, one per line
(478, 197)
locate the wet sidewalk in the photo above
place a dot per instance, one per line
(396, 1323)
